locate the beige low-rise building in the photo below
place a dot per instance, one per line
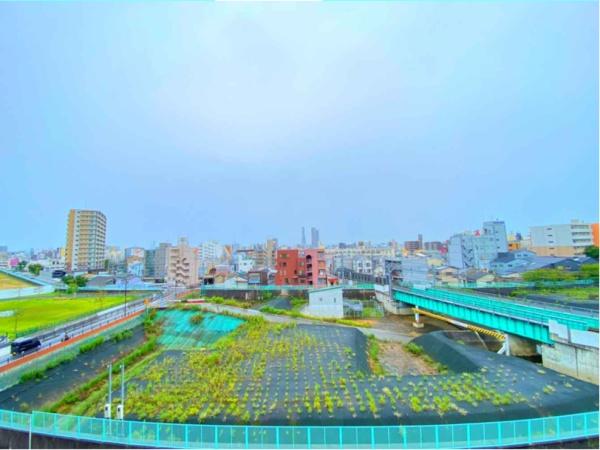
(182, 264)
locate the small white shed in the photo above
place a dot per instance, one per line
(326, 302)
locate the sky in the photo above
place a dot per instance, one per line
(238, 122)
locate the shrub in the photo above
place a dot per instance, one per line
(414, 348)
(91, 345)
(197, 318)
(125, 334)
(415, 404)
(35, 374)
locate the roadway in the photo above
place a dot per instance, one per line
(52, 336)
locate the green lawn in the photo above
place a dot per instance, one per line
(573, 293)
(31, 314)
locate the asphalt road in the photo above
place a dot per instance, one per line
(53, 336)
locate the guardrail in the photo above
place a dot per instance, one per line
(523, 432)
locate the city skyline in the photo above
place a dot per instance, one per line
(332, 243)
(198, 132)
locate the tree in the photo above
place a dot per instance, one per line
(79, 280)
(21, 266)
(72, 288)
(35, 268)
(549, 275)
(589, 271)
(591, 251)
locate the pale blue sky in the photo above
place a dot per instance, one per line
(236, 122)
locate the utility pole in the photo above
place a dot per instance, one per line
(121, 406)
(107, 407)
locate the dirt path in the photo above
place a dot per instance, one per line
(397, 361)
(382, 334)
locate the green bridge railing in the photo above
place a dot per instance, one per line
(168, 435)
(275, 287)
(513, 308)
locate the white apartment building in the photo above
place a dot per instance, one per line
(478, 250)
(182, 264)
(361, 257)
(415, 270)
(210, 251)
(244, 263)
(86, 240)
(362, 264)
(561, 240)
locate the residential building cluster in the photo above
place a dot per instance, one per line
(486, 254)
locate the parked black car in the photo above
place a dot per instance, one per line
(58, 273)
(24, 345)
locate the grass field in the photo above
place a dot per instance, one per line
(8, 282)
(573, 293)
(44, 311)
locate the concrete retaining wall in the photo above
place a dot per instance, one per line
(382, 294)
(578, 362)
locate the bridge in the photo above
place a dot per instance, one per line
(567, 340)
(280, 287)
(497, 313)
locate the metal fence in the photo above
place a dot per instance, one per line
(169, 435)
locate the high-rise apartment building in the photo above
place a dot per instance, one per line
(301, 267)
(561, 240)
(271, 253)
(497, 229)
(160, 260)
(86, 240)
(314, 237)
(182, 264)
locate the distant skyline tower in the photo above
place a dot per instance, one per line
(303, 240)
(314, 237)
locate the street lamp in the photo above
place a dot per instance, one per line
(125, 277)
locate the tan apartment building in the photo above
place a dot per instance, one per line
(182, 264)
(568, 239)
(86, 240)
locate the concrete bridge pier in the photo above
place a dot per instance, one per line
(417, 323)
(518, 346)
